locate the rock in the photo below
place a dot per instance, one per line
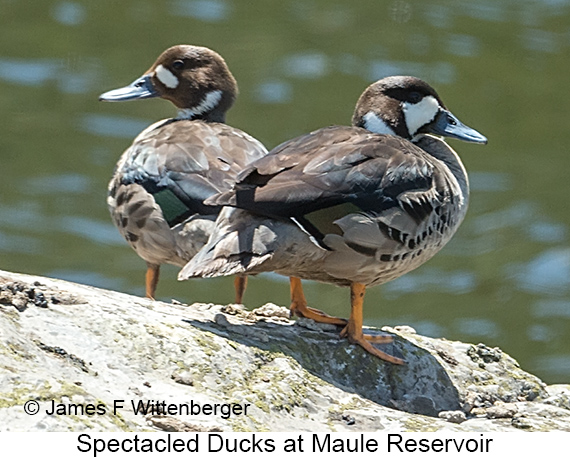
(171, 424)
(455, 417)
(501, 410)
(83, 358)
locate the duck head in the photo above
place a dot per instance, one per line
(408, 107)
(195, 79)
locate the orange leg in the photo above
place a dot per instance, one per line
(152, 274)
(240, 283)
(299, 306)
(353, 331)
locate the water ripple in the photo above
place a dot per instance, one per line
(546, 232)
(540, 41)
(438, 16)
(548, 273)
(540, 333)
(204, 10)
(488, 10)
(478, 327)
(310, 65)
(112, 125)
(438, 72)
(554, 365)
(91, 229)
(69, 13)
(72, 183)
(29, 72)
(551, 308)
(274, 91)
(23, 215)
(490, 181)
(88, 277)
(19, 244)
(463, 45)
(73, 76)
(457, 282)
(516, 215)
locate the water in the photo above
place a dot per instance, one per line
(500, 66)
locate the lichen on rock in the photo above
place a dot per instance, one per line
(294, 375)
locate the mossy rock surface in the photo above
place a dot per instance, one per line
(69, 344)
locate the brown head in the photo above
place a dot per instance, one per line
(406, 106)
(195, 79)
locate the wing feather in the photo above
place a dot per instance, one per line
(189, 164)
(333, 166)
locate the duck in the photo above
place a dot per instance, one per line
(157, 191)
(355, 206)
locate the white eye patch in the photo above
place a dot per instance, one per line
(166, 77)
(419, 114)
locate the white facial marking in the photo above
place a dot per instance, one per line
(376, 125)
(166, 77)
(210, 101)
(419, 114)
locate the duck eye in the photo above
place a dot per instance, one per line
(414, 97)
(178, 64)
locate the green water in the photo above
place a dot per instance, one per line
(501, 66)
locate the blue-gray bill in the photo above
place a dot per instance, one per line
(446, 124)
(137, 90)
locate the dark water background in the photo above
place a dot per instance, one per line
(501, 66)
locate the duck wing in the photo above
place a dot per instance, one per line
(320, 177)
(181, 163)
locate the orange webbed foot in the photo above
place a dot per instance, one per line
(353, 330)
(299, 307)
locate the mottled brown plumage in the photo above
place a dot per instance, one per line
(156, 196)
(187, 161)
(345, 205)
(405, 205)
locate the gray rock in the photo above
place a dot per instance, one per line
(453, 416)
(501, 410)
(82, 351)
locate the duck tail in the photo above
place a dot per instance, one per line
(239, 243)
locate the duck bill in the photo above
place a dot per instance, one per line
(137, 90)
(446, 124)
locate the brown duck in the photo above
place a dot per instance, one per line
(156, 196)
(353, 206)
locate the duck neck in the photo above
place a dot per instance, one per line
(439, 149)
(210, 116)
(211, 109)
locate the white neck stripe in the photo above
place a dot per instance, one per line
(375, 124)
(209, 102)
